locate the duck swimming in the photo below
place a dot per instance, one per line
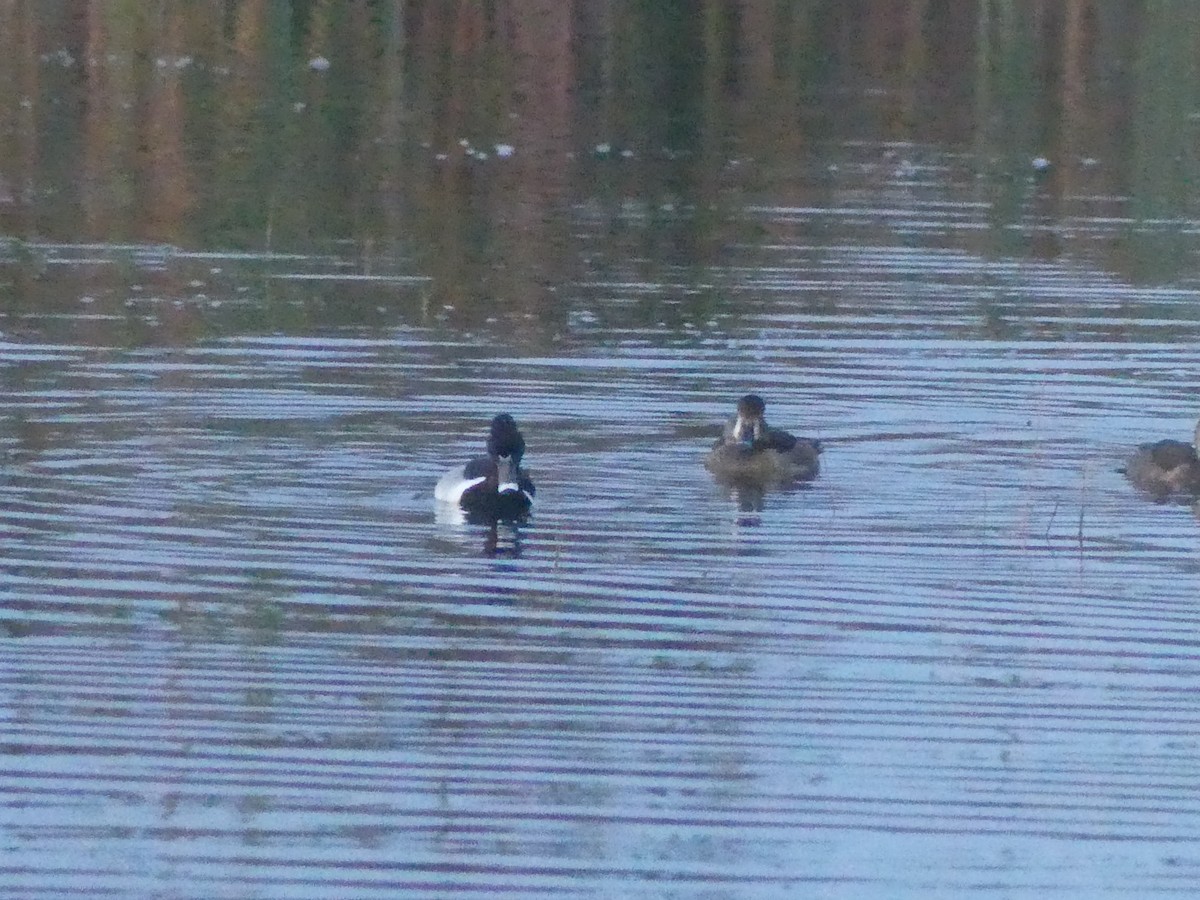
(1166, 467)
(495, 485)
(750, 450)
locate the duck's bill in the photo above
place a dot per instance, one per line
(506, 476)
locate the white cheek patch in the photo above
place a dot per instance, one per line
(509, 487)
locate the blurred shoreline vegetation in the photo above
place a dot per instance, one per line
(468, 135)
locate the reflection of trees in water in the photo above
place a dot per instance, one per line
(203, 123)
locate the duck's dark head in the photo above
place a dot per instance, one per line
(505, 441)
(751, 423)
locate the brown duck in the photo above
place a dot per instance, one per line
(1166, 467)
(750, 450)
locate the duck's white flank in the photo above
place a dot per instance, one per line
(453, 485)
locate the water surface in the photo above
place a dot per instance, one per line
(243, 655)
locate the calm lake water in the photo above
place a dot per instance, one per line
(242, 655)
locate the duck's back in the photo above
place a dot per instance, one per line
(1165, 467)
(803, 455)
(1169, 455)
(779, 456)
(785, 442)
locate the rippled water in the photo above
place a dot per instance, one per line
(242, 656)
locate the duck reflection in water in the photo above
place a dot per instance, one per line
(501, 537)
(752, 458)
(1166, 469)
(751, 497)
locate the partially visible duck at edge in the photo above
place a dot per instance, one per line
(495, 485)
(1166, 467)
(750, 450)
